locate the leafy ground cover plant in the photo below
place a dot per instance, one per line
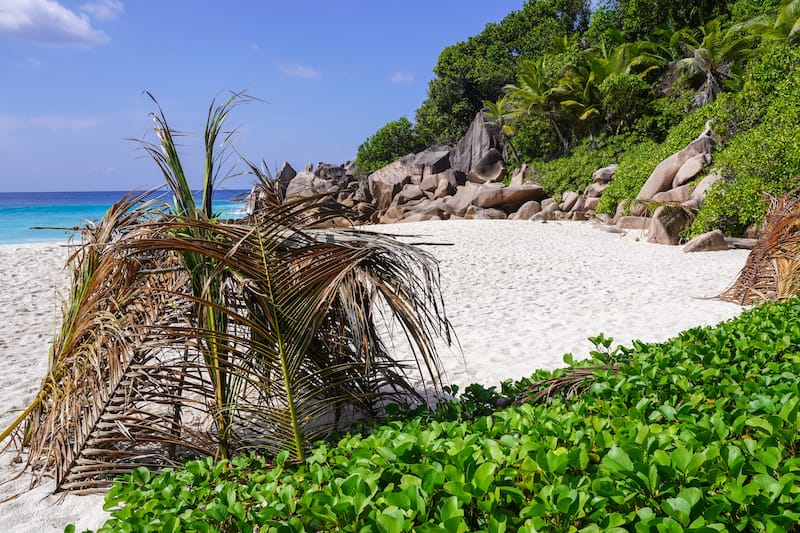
(699, 433)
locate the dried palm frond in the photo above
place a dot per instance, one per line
(187, 336)
(100, 348)
(572, 383)
(772, 270)
(131, 382)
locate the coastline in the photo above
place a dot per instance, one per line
(520, 294)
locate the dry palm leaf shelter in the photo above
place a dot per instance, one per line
(184, 335)
(772, 270)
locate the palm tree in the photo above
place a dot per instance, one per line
(772, 269)
(206, 277)
(787, 21)
(185, 335)
(501, 113)
(782, 26)
(532, 94)
(583, 90)
(715, 57)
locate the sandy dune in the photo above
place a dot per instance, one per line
(519, 294)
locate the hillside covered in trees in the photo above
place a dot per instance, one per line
(630, 82)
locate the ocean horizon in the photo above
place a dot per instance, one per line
(22, 211)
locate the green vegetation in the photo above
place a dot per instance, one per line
(699, 433)
(631, 83)
(471, 72)
(389, 143)
(568, 173)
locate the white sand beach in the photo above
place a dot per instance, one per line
(519, 295)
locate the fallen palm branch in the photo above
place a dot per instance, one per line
(772, 269)
(186, 336)
(572, 383)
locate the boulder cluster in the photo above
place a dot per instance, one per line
(436, 184)
(470, 181)
(673, 194)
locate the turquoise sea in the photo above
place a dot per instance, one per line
(20, 211)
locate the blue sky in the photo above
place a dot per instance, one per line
(330, 73)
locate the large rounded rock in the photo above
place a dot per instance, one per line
(605, 174)
(385, 183)
(595, 190)
(521, 175)
(698, 195)
(569, 200)
(433, 160)
(328, 171)
(362, 193)
(457, 204)
(479, 213)
(306, 184)
(481, 137)
(631, 222)
(424, 209)
(527, 210)
(667, 224)
(509, 199)
(676, 195)
(453, 178)
(662, 176)
(549, 211)
(391, 215)
(409, 193)
(711, 241)
(690, 169)
(489, 169)
(285, 175)
(448, 184)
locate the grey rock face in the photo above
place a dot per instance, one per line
(667, 224)
(489, 169)
(711, 241)
(479, 139)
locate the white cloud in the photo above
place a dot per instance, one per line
(254, 47)
(51, 123)
(47, 22)
(104, 9)
(8, 125)
(297, 70)
(402, 77)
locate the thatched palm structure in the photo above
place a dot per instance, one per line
(187, 336)
(772, 270)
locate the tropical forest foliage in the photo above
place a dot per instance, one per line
(630, 83)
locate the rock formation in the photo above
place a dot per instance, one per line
(481, 137)
(665, 172)
(440, 183)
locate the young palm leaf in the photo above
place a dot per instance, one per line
(207, 280)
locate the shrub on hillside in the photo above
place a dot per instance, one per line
(574, 172)
(391, 142)
(634, 168)
(762, 154)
